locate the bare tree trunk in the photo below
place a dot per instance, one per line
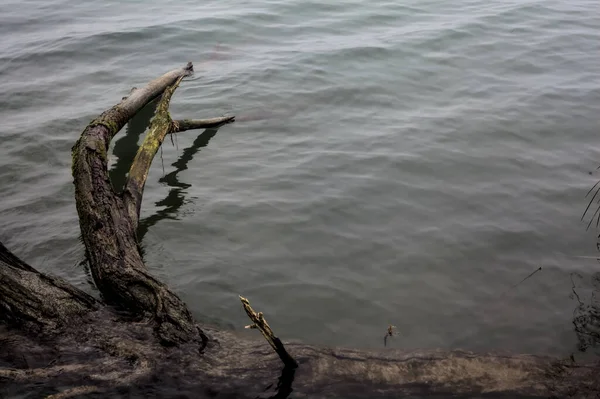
(57, 341)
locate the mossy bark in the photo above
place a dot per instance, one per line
(109, 232)
(138, 173)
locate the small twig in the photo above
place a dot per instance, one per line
(162, 161)
(573, 289)
(388, 333)
(590, 204)
(516, 285)
(260, 323)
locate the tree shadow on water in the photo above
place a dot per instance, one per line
(176, 196)
(127, 145)
(283, 388)
(124, 152)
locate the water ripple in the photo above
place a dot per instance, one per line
(391, 162)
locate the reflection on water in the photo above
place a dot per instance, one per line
(586, 291)
(586, 316)
(583, 365)
(175, 199)
(127, 145)
(124, 152)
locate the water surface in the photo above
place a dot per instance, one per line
(400, 163)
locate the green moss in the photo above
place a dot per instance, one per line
(113, 120)
(111, 125)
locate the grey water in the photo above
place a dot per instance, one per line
(392, 162)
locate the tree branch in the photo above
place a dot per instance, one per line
(189, 124)
(109, 233)
(160, 126)
(138, 173)
(261, 324)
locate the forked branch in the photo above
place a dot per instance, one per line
(160, 126)
(109, 233)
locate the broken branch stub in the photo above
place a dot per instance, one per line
(261, 324)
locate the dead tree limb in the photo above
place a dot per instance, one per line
(189, 124)
(261, 324)
(108, 231)
(138, 172)
(160, 126)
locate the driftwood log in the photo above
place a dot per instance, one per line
(141, 340)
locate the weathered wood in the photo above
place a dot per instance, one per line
(121, 360)
(189, 124)
(109, 233)
(259, 322)
(138, 172)
(36, 301)
(160, 126)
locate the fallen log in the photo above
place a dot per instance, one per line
(140, 339)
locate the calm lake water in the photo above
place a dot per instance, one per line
(400, 163)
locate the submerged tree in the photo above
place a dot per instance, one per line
(140, 339)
